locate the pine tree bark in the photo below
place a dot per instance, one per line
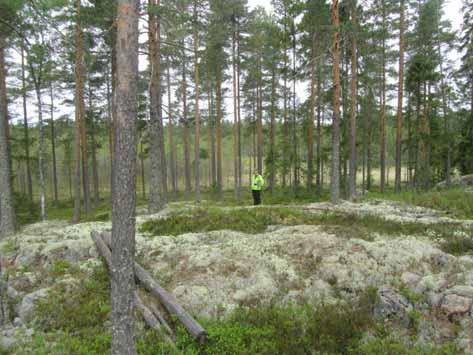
(186, 133)
(25, 125)
(197, 107)
(397, 181)
(78, 114)
(218, 127)
(272, 133)
(53, 145)
(259, 122)
(211, 134)
(335, 169)
(294, 113)
(95, 172)
(319, 170)
(7, 214)
(353, 103)
(37, 81)
(311, 114)
(124, 179)
(235, 114)
(382, 133)
(156, 188)
(172, 145)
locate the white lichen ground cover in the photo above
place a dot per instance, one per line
(212, 273)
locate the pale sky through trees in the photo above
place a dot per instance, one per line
(452, 10)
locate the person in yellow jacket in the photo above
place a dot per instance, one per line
(257, 183)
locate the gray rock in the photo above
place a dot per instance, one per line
(17, 322)
(27, 306)
(455, 305)
(392, 305)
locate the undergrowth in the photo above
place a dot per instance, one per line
(75, 321)
(452, 201)
(256, 220)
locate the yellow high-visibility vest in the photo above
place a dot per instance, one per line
(257, 182)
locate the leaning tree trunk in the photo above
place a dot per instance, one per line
(353, 104)
(7, 219)
(156, 190)
(335, 169)
(124, 179)
(397, 181)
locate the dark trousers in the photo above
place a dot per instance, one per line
(256, 197)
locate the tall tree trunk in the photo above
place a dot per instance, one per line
(294, 113)
(272, 133)
(110, 120)
(235, 115)
(311, 115)
(448, 150)
(187, 164)
(335, 171)
(37, 81)
(25, 125)
(197, 107)
(142, 168)
(240, 167)
(319, 171)
(7, 214)
(211, 138)
(124, 179)
(172, 145)
(397, 181)
(259, 122)
(218, 124)
(382, 133)
(353, 103)
(53, 145)
(286, 146)
(95, 173)
(156, 189)
(79, 113)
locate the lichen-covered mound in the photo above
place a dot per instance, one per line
(212, 273)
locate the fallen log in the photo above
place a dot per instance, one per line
(149, 316)
(167, 300)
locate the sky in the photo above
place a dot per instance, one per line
(452, 10)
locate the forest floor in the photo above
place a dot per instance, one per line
(360, 278)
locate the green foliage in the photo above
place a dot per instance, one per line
(392, 346)
(458, 245)
(81, 307)
(26, 211)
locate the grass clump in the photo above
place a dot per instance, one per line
(458, 245)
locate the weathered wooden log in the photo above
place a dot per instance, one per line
(150, 319)
(168, 300)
